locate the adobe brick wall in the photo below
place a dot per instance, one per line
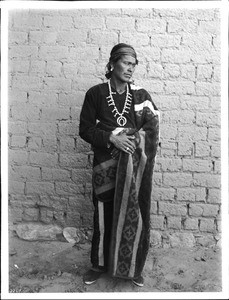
(56, 55)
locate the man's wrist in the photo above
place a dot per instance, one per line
(111, 138)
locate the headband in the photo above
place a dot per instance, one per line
(122, 50)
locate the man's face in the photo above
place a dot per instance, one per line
(124, 68)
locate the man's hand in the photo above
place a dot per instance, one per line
(123, 142)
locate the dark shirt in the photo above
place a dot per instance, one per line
(95, 108)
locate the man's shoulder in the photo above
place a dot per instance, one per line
(96, 88)
(139, 90)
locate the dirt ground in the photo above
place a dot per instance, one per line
(58, 267)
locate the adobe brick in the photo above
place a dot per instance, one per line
(30, 214)
(94, 22)
(45, 99)
(79, 83)
(214, 133)
(82, 146)
(160, 193)
(204, 72)
(175, 56)
(77, 160)
(53, 52)
(18, 157)
(185, 147)
(197, 165)
(49, 144)
(207, 225)
(75, 114)
(123, 24)
(216, 149)
(169, 164)
(24, 173)
(67, 144)
(179, 87)
(149, 54)
(68, 188)
(81, 176)
(217, 73)
(168, 132)
(165, 40)
(150, 25)
(24, 112)
(53, 174)
(207, 119)
(27, 83)
(41, 129)
(192, 133)
(42, 37)
(18, 127)
(19, 66)
(177, 179)
(57, 84)
(208, 88)
(186, 194)
(155, 70)
(206, 180)
(157, 179)
(171, 70)
(71, 99)
(191, 224)
(43, 159)
(67, 128)
(39, 188)
(34, 143)
(23, 51)
(17, 37)
(212, 27)
(172, 209)
(153, 208)
(18, 141)
(16, 187)
(107, 37)
(52, 114)
(115, 12)
(195, 102)
(188, 72)
(195, 210)
(180, 26)
(37, 68)
(178, 116)
(202, 149)
(58, 22)
(210, 210)
(54, 68)
(17, 96)
(174, 223)
(157, 222)
(26, 20)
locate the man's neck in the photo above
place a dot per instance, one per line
(118, 85)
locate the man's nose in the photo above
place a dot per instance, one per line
(130, 68)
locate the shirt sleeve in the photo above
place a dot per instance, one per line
(87, 127)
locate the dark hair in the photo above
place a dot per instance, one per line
(116, 53)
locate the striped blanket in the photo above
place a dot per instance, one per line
(129, 181)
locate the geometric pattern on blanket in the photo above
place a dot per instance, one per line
(132, 199)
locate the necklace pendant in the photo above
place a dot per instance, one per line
(121, 121)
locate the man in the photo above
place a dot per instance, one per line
(121, 123)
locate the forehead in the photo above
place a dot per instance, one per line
(128, 58)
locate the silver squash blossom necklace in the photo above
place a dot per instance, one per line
(121, 120)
